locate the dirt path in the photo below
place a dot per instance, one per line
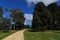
(16, 36)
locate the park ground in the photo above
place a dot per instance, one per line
(16, 36)
(5, 34)
(47, 35)
(26, 35)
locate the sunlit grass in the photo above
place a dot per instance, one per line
(5, 34)
(50, 35)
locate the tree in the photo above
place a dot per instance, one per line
(5, 24)
(41, 18)
(55, 11)
(18, 17)
(1, 17)
(1, 11)
(46, 17)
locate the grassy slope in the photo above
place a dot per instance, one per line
(5, 34)
(42, 35)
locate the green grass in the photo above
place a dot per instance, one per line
(5, 34)
(52, 35)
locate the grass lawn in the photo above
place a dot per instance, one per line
(5, 34)
(52, 35)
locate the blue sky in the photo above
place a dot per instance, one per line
(27, 6)
(22, 4)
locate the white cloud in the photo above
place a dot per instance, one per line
(46, 2)
(28, 16)
(28, 22)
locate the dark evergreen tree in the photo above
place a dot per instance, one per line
(55, 11)
(1, 17)
(46, 17)
(42, 17)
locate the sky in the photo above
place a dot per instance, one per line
(27, 6)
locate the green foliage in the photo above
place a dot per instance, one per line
(1, 11)
(16, 14)
(18, 17)
(5, 24)
(46, 17)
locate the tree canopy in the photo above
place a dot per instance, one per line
(46, 17)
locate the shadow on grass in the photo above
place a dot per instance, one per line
(54, 31)
(30, 30)
(57, 31)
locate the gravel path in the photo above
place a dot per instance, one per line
(16, 36)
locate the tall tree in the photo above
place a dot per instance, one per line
(18, 17)
(1, 17)
(55, 11)
(46, 17)
(42, 18)
(5, 24)
(1, 11)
